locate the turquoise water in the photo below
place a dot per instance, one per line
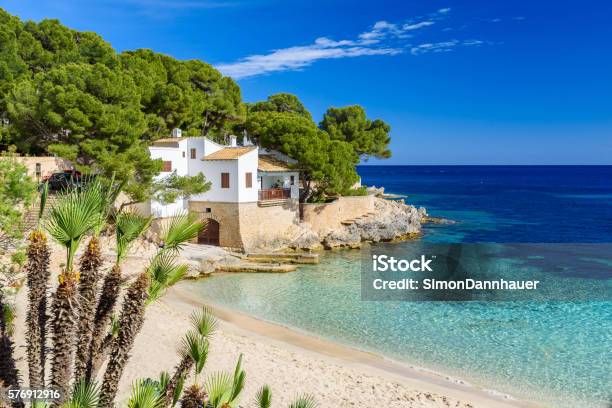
(552, 352)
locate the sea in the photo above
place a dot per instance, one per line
(554, 350)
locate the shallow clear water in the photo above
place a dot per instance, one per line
(558, 353)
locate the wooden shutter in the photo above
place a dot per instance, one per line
(167, 166)
(249, 180)
(225, 180)
(193, 153)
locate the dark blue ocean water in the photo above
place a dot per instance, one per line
(556, 353)
(506, 203)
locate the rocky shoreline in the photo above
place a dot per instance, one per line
(390, 220)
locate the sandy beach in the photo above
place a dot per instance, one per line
(290, 362)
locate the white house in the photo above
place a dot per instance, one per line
(245, 180)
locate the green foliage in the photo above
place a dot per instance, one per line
(181, 229)
(350, 124)
(17, 191)
(69, 93)
(85, 395)
(172, 187)
(195, 346)
(353, 192)
(327, 166)
(145, 394)
(129, 226)
(74, 214)
(263, 398)
(204, 322)
(304, 401)
(164, 273)
(281, 103)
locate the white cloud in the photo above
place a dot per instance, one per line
(443, 46)
(294, 58)
(416, 26)
(383, 38)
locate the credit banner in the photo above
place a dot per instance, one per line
(487, 272)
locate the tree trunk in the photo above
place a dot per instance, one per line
(194, 397)
(65, 310)
(181, 371)
(37, 270)
(88, 289)
(104, 312)
(130, 323)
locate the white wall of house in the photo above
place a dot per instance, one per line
(247, 163)
(212, 171)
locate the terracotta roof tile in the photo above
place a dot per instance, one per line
(271, 164)
(229, 153)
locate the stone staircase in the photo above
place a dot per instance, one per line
(351, 221)
(30, 218)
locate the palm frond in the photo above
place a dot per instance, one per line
(219, 388)
(164, 382)
(164, 273)
(108, 195)
(204, 322)
(238, 380)
(129, 226)
(263, 398)
(195, 347)
(304, 401)
(181, 229)
(145, 394)
(85, 395)
(74, 214)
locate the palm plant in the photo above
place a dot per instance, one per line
(194, 351)
(129, 226)
(37, 269)
(263, 399)
(304, 401)
(89, 277)
(71, 218)
(146, 394)
(224, 389)
(84, 395)
(162, 273)
(130, 320)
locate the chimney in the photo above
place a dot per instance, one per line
(176, 132)
(233, 141)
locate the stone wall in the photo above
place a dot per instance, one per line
(247, 225)
(323, 218)
(261, 226)
(48, 165)
(228, 217)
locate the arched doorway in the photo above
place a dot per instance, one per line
(210, 234)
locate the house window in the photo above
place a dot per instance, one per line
(224, 180)
(183, 154)
(292, 180)
(38, 170)
(207, 210)
(193, 153)
(167, 166)
(249, 180)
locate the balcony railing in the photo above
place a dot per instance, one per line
(274, 194)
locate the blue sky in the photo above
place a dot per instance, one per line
(460, 82)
